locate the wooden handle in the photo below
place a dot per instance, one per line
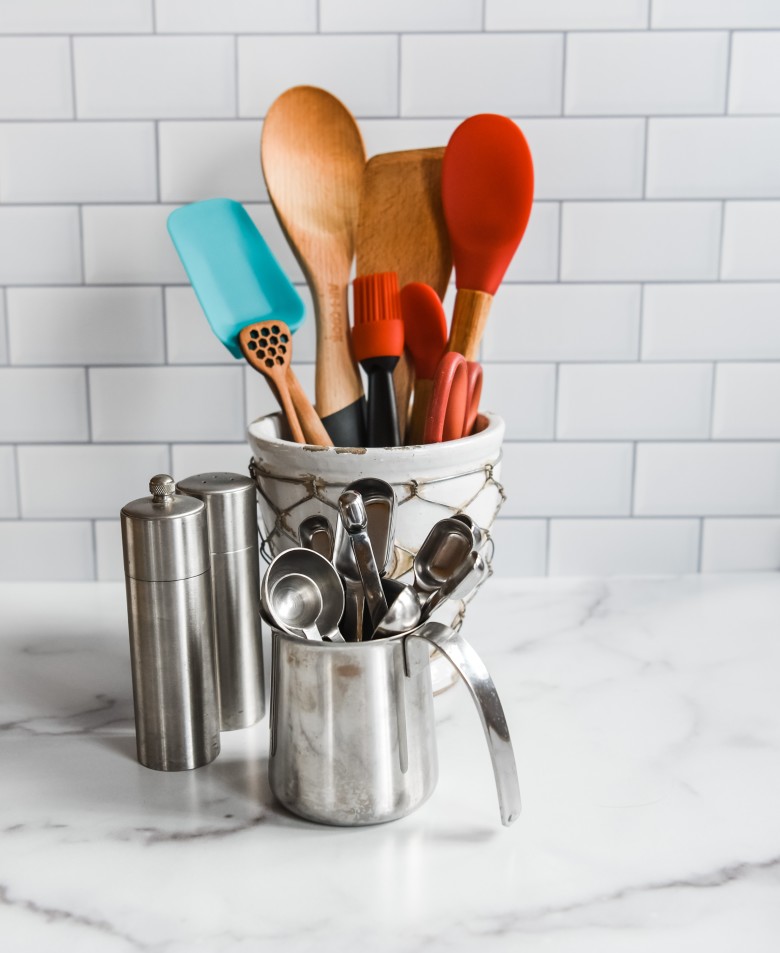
(403, 381)
(468, 322)
(311, 425)
(337, 381)
(276, 374)
(422, 398)
(283, 393)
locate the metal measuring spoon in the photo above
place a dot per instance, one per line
(463, 581)
(315, 532)
(304, 564)
(355, 521)
(443, 551)
(404, 611)
(296, 603)
(478, 537)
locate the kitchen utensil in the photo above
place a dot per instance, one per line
(442, 553)
(487, 192)
(267, 346)
(170, 614)
(454, 403)
(459, 584)
(302, 594)
(231, 514)
(353, 733)
(425, 339)
(401, 228)
(313, 159)
(378, 342)
(355, 520)
(473, 395)
(404, 611)
(316, 532)
(239, 283)
(477, 536)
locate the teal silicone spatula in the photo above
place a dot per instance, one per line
(239, 282)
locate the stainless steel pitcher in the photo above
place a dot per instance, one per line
(353, 738)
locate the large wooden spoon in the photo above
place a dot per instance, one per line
(313, 158)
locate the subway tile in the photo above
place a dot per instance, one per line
(192, 458)
(537, 257)
(559, 479)
(741, 545)
(402, 16)
(78, 162)
(560, 322)
(716, 321)
(747, 401)
(166, 403)
(636, 401)
(754, 85)
(40, 246)
(751, 239)
(518, 74)
(158, 77)
(85, 325)
(671, 14)
(235, 16)
(268, 225)
(397, 135)
(3, 330)
(48, 404)
(566, 15)
(8, 491)
(623, 547)
(32, 551)
(190, 339)
(524, 395)
(91, 481)
(521, 547)
(645, 73)
(109, 563)
(362, 71)
(713, 158)
(75, 16)
(640, 241)
(708, 479)
(259, 397)
(129, 244)
(610, 155)
(201, 160)
(35, 78)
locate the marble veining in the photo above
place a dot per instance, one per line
(646, 722)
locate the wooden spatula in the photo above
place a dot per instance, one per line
(401, 228)
(487, 192)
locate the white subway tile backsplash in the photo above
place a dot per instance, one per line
(741, 545)
(52, 551)
(636, 401)
(521, 547)
(158, 77)
(396, 135)
(524, 395)
(236, 16)
(711, 322)
(610, 157)
(537, 257)
(189, 337)
(747, 401)
(203, 160)
(751, 241)
(268, 225)
(166, 403)
(8, 490)
(755, 73)
(566, 15)
(623, 547)
(563, 322)
(129, 244)
(519, 75)
(362, 71)
(708, 479)
(703, 14)
(85, 326)
(3, 331)
(259, 397)
(35, 78)
(39, 246)
(109, 565)
(640, 241)
(78, 162)
(730, 157)
(86, 481)
(192, 458)
(347, 16)
(645, 73)
(559, 479)
(43, 404)
(75, 16)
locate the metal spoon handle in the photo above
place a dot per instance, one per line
(353, 516)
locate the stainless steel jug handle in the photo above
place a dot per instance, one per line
(472, 670)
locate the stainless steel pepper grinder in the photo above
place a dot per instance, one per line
(170, 615)
(231, 513)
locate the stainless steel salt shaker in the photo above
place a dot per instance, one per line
(169, 609)
(231, 511)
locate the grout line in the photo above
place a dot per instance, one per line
(154, 15)
(560, 243)
(88, 394)
(556, 386)
(484, 16)
(649, 24)
(721, 240)
(164, 310)
(641, 323)
(547, 535)
(632, 507)
(713, 382)
(72, 53)
(644, 157)
(700, 554)
(563, 73)
(18, 481)
(157, 164)
(82, 249)
(728, 73)
(346, 34)
(318, 18)
(235, 75)
(93, 524)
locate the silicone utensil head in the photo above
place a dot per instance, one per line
(425, 328)
(487, 192)
(378, 330)
(447, 409)
(473, 395)
(234, 274)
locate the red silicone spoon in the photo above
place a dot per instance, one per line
(425, 337)
(449, 400)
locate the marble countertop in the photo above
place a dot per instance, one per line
(646, 721)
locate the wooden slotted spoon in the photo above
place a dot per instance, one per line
(267, 346)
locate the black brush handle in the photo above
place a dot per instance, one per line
(383, 430)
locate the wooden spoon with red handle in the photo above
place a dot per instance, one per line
(487, 193)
